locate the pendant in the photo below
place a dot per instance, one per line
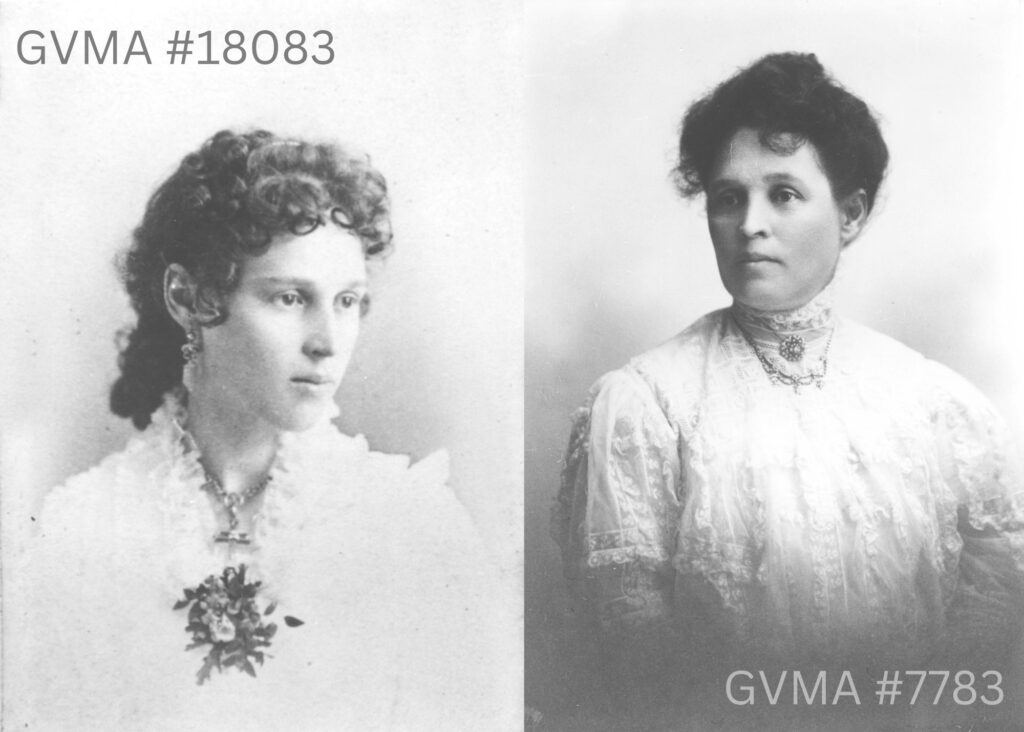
(232, 537)
(792, 348)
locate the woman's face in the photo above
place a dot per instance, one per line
(776, 228)
(278, 359)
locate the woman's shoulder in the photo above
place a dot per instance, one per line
(916, 373)
(409, 526)
(93, 493)
(411, 479)
(408, 509)
(124, 474)
(416, 491)
(877, 347)
(684, 352)
(85, 522)
(338, 450)
(654, 379)
(391, 482)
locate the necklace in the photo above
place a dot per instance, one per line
(792, 349)
(232, 502)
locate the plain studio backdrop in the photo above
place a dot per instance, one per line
(430, 90)
(618, 263)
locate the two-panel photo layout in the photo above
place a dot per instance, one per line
(512, 366)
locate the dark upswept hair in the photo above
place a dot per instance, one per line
(228, 201)
(785, 96)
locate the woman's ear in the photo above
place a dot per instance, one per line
(854, 214)
(180, 296)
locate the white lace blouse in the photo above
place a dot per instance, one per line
(404, 624)
(876, 514)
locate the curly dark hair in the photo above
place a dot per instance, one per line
(785, 96)
(228, 201)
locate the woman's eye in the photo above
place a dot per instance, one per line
(725, 200)
(349, 300)
(785, 195)
(290, 299)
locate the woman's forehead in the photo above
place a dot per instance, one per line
(326, 256)
(752, 155)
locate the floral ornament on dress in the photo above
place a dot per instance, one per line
(225, 614)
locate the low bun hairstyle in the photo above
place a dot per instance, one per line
(227, 201)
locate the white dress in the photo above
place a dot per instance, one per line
(875, 517)
(406, 627)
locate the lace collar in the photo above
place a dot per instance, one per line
(814, 315)
(168, 425)
(304, 468)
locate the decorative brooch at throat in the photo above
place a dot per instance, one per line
(792, 348)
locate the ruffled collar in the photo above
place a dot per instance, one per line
(302, 471)
(815, 315)
(168, 424)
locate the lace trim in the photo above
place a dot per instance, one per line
(882, 465)
(628, 597)
(818, 313)
(300, 474)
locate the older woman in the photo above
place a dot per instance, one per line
(240, 540)
(777, 481)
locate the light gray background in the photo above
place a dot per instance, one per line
(430, 90)
(617, 262)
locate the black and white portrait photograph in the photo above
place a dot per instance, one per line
(261, 437)
(773, 396)
(570, 366)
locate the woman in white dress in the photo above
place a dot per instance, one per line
(777, 484)
(241, 564)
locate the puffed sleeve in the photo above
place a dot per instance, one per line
(979, 464)
(462, 667)
(616, 517)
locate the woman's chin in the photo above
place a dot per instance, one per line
(768, 299)
(307, 416)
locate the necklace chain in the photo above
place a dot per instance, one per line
(232, 502)
(778, 376)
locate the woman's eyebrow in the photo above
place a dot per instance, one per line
(720, 183)
(782, 178)
(275, 282)
(303, 283)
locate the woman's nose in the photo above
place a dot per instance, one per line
(755, 222)
(322, 335)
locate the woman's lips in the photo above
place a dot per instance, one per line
(755, 259)
(317, 379)
(315, 384)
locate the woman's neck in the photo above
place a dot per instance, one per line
(815, 315)
(236, 452)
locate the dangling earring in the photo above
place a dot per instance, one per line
(193, 345)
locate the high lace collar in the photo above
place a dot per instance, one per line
(814, 315)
